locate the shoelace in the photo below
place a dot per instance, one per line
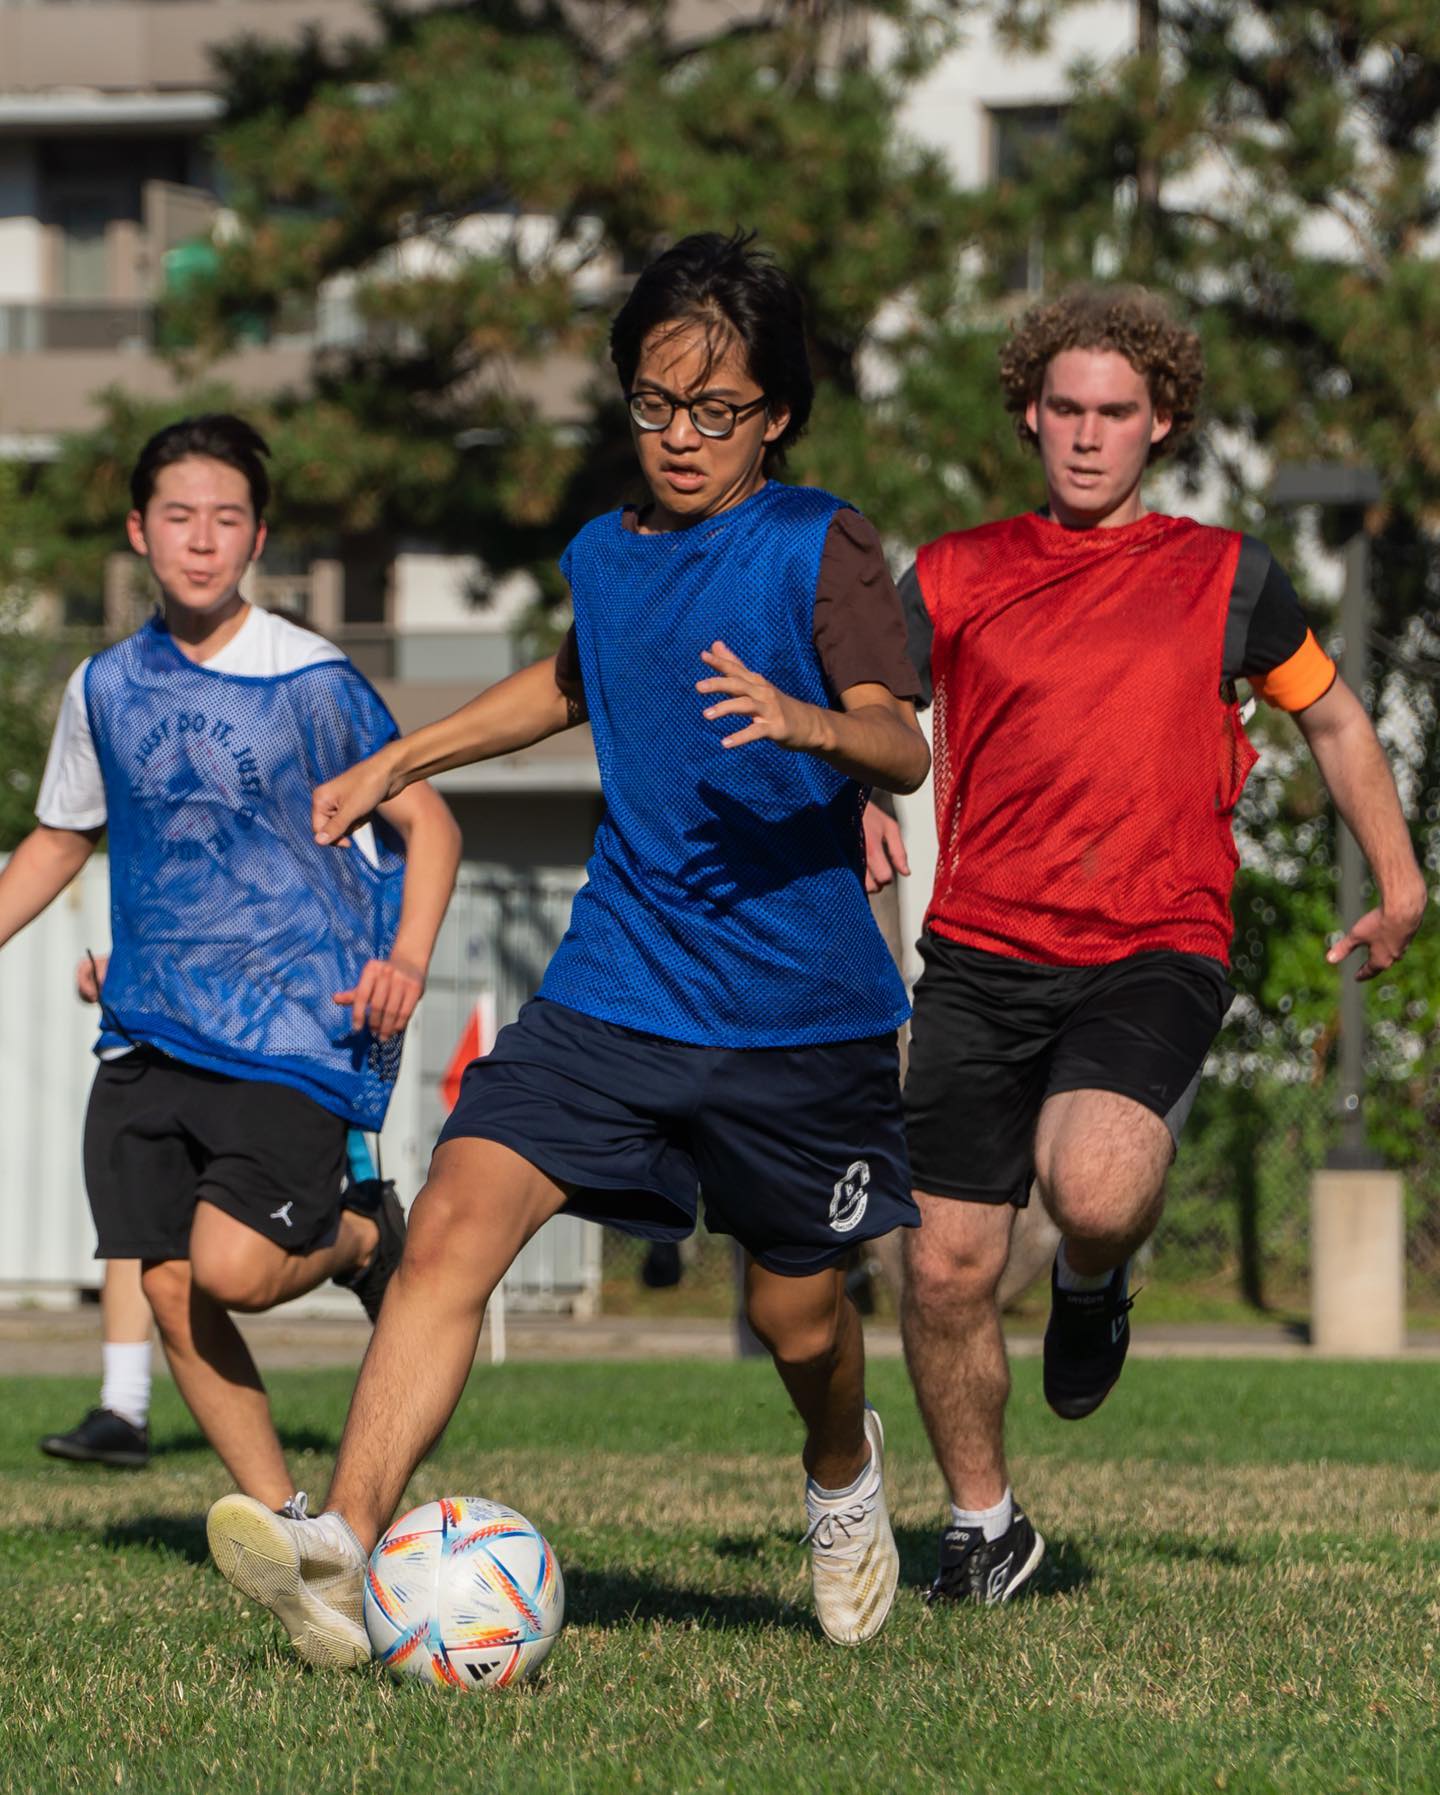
(822, 1530)
(296, 1509)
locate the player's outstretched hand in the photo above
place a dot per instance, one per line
(90, 976)
(342, 803)
(385, 996)
(884, 850)
(1387, 933)
(774, 717)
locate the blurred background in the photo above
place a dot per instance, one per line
(393, 236)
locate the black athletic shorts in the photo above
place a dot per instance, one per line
(800, 1151)
(161, 1136)
(992, 1038)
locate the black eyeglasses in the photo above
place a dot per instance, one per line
(711, 417)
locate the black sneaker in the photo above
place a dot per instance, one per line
(988, 1571)
(1085, 1344)
(381, 1204)
(102, 1438)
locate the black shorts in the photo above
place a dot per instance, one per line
(993, 1037)
(161, 1136)
(800, 1151)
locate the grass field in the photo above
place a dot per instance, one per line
(1241, 1593)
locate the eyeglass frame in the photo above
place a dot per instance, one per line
(688, 407)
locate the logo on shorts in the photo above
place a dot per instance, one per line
(851, 1196)
(282, 1214)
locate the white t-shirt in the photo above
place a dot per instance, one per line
(72, 793)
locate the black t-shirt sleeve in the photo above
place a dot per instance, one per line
(919, 632)
(1266, 624)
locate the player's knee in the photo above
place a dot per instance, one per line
(441, 1220)
(944, 1276)
(1087, 1206)
(241, 1281)
(167, 1290)
(794, 1332)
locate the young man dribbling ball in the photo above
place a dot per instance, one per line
(257, 985)
(1089, 754)
(722, 1010)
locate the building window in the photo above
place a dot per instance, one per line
(1019, 137)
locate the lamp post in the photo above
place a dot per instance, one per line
(1357, 1230)
(1346, 491)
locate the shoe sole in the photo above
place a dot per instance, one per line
(252, 1549)
(1076, 1408)
(873, 1625)
(119, 1461)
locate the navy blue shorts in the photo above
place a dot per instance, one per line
(800, 1151)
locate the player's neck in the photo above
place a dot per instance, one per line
(200, 635)
(1129, 511)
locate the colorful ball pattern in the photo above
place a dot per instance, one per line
(464, 1593)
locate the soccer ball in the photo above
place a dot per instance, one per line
(464, 1593)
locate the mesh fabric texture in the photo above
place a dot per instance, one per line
(724, 903)
(231, 930)
(1087, 762)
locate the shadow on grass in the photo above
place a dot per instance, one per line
(600, 1598)
(174, 1536)
(293, 1439)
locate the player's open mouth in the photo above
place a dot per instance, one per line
(683, 479)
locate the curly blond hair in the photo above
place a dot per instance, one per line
(1134, 323)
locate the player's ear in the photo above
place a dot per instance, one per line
(1032, 417)
(777, 422)
(1160, 428)
(257, 548)
(135, 531)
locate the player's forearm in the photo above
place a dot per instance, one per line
(37, 872)
(432, 856)
(1357, 773)
(515, 713)
(874, 746)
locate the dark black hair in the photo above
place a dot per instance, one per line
(218, 436)
(734, 292)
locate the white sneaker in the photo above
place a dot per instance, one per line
(854, 1566)
(307, 1569)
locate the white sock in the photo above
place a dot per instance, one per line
(992, 1522)
(1068, 1279)
(126, 1387)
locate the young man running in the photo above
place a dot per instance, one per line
(722, 1011)
(1088, 758)
(257, 985)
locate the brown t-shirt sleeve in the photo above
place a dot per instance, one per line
(567, 666)
(859, 629)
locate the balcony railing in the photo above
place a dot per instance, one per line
(30, 329)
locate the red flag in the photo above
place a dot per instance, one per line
(476, 1039)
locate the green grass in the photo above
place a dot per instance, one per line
(1241, 1593)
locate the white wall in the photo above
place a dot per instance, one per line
(949, 107)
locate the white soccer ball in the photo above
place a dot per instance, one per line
(464, 1593)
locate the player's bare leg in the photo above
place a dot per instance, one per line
(481, 1204)
(955, 1350)
(244, 1270)
(954, 1345)
(813, 1333)
(216, 1375)
(1100, 1162)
